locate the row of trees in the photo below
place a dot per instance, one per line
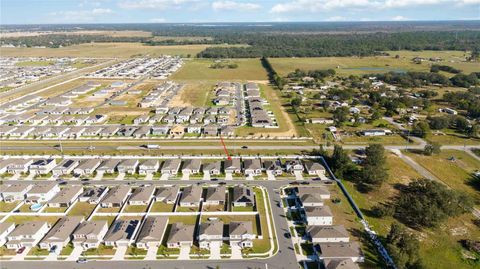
(62, 40)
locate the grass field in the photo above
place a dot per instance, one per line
(81, 209)
(366, 65)
(105, 50)
(34, 63)
(135, 209)
(199, 70)
(22, 219)
(161, 207)
(197, 94)
(7, 207)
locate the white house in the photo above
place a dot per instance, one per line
(318, 215)
(5, 229)
(42, 192)
(27, 234)
(210, 232)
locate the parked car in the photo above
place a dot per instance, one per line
(244, 147)
(305, 183)
(222, 183)
(21, 250)
(53, 249)
(294, 183)
(287, 235)
(82, 260)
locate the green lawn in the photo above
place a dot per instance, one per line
(161, 207)
(108, 210)
(22, 219)
(197, 94)
(101, 250)
(81, 209)
(135, 208)
(242, 208)
(109, 219)
(189, 220)
(199, 70)
(34, 63)
(54, 210)
(134, 251)
(187, 209)
(7, 207)
(67, 250)
(36, 251)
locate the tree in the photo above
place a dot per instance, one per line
(432, 148)
(340, 115)
(296, 102)
(403, 247)
(474, 131)
(421, 129)
(374, 172)
(427, 203)
(340, 162)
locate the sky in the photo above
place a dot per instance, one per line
(192, 11)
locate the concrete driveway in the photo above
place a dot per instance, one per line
(184, 253)
(120, 253)
(51, 256)
(228, 176)
(185, 176)
(298, 175)
(14, 177)
(215, 250)
(270, 175)
(236, 252)
(120, 176)
(21, 256)
(206, 176)
(164, 177)
(98, 176)
(250, 177)
(151, 253)
(149, 176)
(76, 252)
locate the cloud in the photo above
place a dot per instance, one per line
(157, 20)
(154, 4)
(232, 5)
(328, 5)
(399, 18)
(79, 15)
(336, 18)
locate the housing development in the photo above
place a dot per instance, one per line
(309, 145)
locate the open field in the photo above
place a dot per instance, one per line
(199, 70)
(366, 65)
(454, 168)
(195, 95)
(105, 50)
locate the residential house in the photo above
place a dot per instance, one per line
(318, 215)
(42, 167)
(167, 194)
(213, 168)
(350, 250)
(209, 232)
(42, 192)
(294, 165)
(180, 235)
(233, 166)
(66, 196)
(108, 166)
(65, 167)
(273, 166)
(152, 231)
(314, 168)
(18, 166)
(121, 233)
(215, 195)
(60, 233)
(141, 195)
(191, 196)
(191, 166)
(376, 132)
(252, 167)
(116, 196)
(160, 130)
(243, 196)
(171, 166)
(89, 234)
(128, 166)
(339, 264)
(5, 229)
(148, 167)
(210, 130)
(14, 192)
(177, 130)
(241, 234)
(326, 234)
(27, 234)
(87, 167)
(109, 131)
(93, 195)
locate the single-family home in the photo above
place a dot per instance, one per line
(5, 229)
(18, 166)
(141, 195)
(42, 167)
(325, 234)
(191, 166)
(66, 196)
(293, 165)
(148, 167)
(215, 196)
(233, 166)
(89, 234)
(160, 130)
(171, 166)
(59, 234)
(348, 250)
(273, 166)
(87, 167)
(27, 234)
(213, 168)
(14, 192)
(121, 233)
(241, 234)
(252, 167)
(93, 195)
(210, 232)
(167, 194)
(314, 168)
(42, 192)
(243, 196)
(116, 196)
(109, 166)
(180, 235)
(152, 232)
(65, 167)
(191, 196)
(128, 166)
(318, 215)
(339, 264)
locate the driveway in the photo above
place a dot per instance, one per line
(21, 256)
(250, 177)
(206, 176)
(120, 176)
(118, 256)
(76, 252)
(51, 256)
(236, 252)
(228, 176)
(270, 175)
(184, 253)
(298, 175)
(98, 176)
(215, 250)
(14, 177)
(185, 176)
(149, 176)
(164, 177)
(151, 253)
